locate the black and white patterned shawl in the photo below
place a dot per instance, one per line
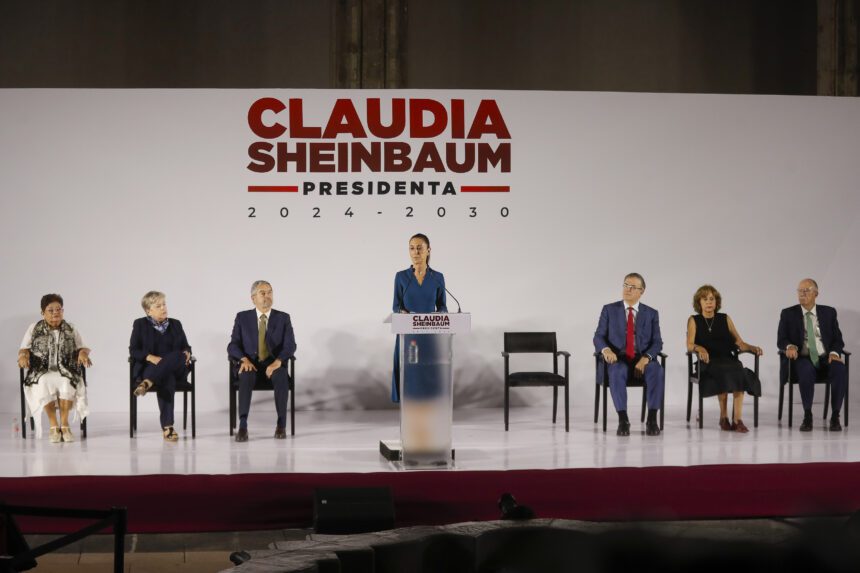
(45, 352)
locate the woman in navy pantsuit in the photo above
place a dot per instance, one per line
(161, 356)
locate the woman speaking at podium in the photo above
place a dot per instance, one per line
(416, 289)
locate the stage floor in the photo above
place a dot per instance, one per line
(214, 484)
(348, 442)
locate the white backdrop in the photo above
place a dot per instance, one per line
(109, 193)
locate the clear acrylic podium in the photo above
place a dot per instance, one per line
(425, 342)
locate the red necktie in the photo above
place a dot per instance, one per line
(630, 350)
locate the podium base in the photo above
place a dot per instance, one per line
(392, 450)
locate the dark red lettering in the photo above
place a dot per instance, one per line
(488, 120)
(261, 160)
(370, 157)
(255, 118)
(397, 157)
(417, 108)
(428, 158)
(342, 156)
(344, 119)
(322, 157)
(298, 157)
(451, 157)
(458, 121)
(297, 118)
(499, 156)
(374, 118)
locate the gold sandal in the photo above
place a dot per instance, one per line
(54, 435)
(170, 434)
(67, 434)
(143, 388)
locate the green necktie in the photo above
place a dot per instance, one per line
(262, 349)
(810, 339)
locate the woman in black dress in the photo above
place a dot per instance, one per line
(714, 338)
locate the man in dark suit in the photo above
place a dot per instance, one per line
(262, 342)
(628, 336)
(810, 337)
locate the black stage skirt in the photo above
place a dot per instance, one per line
(727, 375)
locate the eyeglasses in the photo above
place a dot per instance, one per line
(803, 291)
(54, 310)
(632, 287)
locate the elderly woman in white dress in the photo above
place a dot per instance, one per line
(53, 352)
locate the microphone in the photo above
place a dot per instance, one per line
(455, 299)
(452, 296)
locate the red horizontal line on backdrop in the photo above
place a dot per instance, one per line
(484, 189)
(273, 188)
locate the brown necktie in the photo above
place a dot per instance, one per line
(262, 349)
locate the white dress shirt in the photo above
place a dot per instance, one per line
(819, 345)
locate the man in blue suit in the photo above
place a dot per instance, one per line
(810, 337)
(628, 336)
(262, 342)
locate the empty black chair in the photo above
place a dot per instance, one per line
(537, 343)
(23, 375)
(602, 381)
(791, 381)
(263, 384)
(185, 386)
(693, 371)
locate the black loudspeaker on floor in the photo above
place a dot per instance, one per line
(341, 510)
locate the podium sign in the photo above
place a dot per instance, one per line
(425, 342)
(431, 323)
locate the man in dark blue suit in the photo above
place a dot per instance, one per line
(628, 336)
(810, 337)
(262, 342)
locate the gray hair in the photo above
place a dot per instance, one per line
(150, 299)
(258, 284)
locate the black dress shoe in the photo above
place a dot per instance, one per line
(835, 426)
(242, 435)
(623, 428)
(806, 425)
(652, 428)
(280, 433)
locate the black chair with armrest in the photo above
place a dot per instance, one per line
(791, 381)
(694, 366)
(263, 384)
(537, 343)
(22, 372)
(632, 382)
(186, 387)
